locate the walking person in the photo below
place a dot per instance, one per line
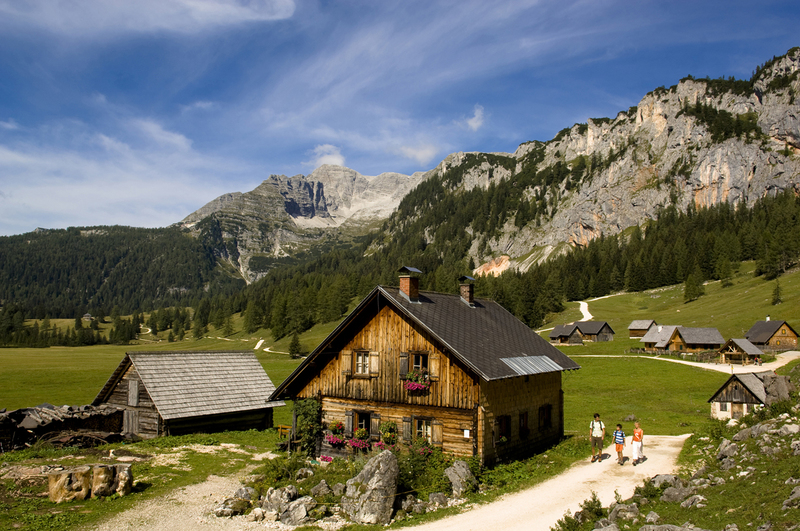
(597, 434)
(637, 443)
(619, 440)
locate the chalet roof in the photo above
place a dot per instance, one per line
(194, 384)
(659, 335)
(564, 330)
(480, 336)
(701, 336)
(752, 381)
(641, 324)
(745, 346)
(592, 327)
(762, 331)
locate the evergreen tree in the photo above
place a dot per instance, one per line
(777, 297)
(295, 348)
(227, 328)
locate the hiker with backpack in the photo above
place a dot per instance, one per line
(597, 434)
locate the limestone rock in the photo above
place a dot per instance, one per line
(652, 517)
(676, 494)
(246, 493)
(322, 489)
(297, 512)
(438, 499)
(278, 499)
(231, 507)
(339, 489)
(669, 479)
(623, 511)
(303, 473)
(793, 500)
(461, 478)
(693, 501)
(370, 495)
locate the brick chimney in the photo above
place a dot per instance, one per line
(409, 285)
(467, 290)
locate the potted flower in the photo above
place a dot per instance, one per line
(335, 437)
(360, 440)
(417, 381)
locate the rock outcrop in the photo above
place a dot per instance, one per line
(95, 481)
(370, 495)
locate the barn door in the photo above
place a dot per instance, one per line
(737, 410)
(130, 421)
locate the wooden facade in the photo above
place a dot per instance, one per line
(173, 393)
(740, 395)
(772, 335)
(359, 374)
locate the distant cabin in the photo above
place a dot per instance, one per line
(681, 339)
(173, 393)
(772, 335)
(595, 331)
(640, 327)
(739, 351)
(567, 334)
(744, 393)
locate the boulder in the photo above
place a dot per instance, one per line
(231, 507)
(338, 489)
(727, 449)
(676, 494)
(438, 499)
(322, 489)
(68, 485)
(110, 479)
(277, 500)
(297, 512)
(652, 517)
(246, 493)
(303, 473)
(693, 501)
(793, 500)
(777, 388)
(623, 511)
(669, 479)
(370, 495)
(461, 478)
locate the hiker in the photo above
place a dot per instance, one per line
(619, 440)
(637, 442)
(597, 433)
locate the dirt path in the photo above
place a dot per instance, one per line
(781, 359)
(539, 508)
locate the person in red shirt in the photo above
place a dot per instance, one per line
(638, 440)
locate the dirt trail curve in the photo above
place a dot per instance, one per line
(540, 507)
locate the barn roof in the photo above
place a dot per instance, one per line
(195, 384)
(660, 335)
(592, 327)
(479, 335)
(752, 381)
(641, 324)
(701, 336)
(762, 331)
(745, 346)
(564, 330)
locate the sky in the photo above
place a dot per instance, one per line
(115, 112)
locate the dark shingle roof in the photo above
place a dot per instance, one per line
(762, 331)
(480, 336)
(194, 384)
(701, 336)
(641, 324)
(564, 330)
(592, 327)
(659, 335)
(753, 382)
(745, 346)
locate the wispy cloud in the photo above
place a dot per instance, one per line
(9, 125)
(476, 122)
(161, 137)
(325, 154)
(92, 17)
(423, 153)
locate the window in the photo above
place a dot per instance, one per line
(419, 361)
(361, 361)
(523, 425)
(545, 416)
(503, 432)
(723, 406)
(422, 429)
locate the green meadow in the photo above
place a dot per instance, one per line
(669, 398)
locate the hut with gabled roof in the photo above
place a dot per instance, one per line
(172, 393)
(739, 351)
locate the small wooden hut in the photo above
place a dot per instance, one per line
(567, 334)
(172, 393)
(739, 351)
(772, 335)
(595, 331)
(640, 327)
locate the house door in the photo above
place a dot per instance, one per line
(130, 421)
(737, 411)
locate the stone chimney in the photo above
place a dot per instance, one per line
(467, 290)
(409, 285)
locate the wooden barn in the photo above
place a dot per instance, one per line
(740, 395)
(462, 373)
(172, 393)
(567, 334)
(640, 327)
(595, 331)
(772, 335)
(658, 337)
(681, 339)
(739, 351)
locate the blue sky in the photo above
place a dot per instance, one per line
(138, 113)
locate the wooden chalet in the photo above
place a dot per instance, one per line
(172, 393)
(640, 327)
(658, 337)
(739, 351)
(567, 334)
(491, 386)
(595, 331)
(738, 396)
(681, 339)
(772, 335)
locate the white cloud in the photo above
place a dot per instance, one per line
(476, 122)
(202, 105)
(9, 125)
(422, 153)
(90, 17)
(325, 154)
(162, 137)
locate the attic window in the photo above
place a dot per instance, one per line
(361, 363)
(419, 361)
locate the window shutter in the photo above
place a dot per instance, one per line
(348, 423)
(374, 364)
(347, 362)
(133, 392)
(436, 432)
(407, 429)
(433, 366)
(375, 426)
(403, 364)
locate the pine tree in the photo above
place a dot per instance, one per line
(295, 348)
(776, 293)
